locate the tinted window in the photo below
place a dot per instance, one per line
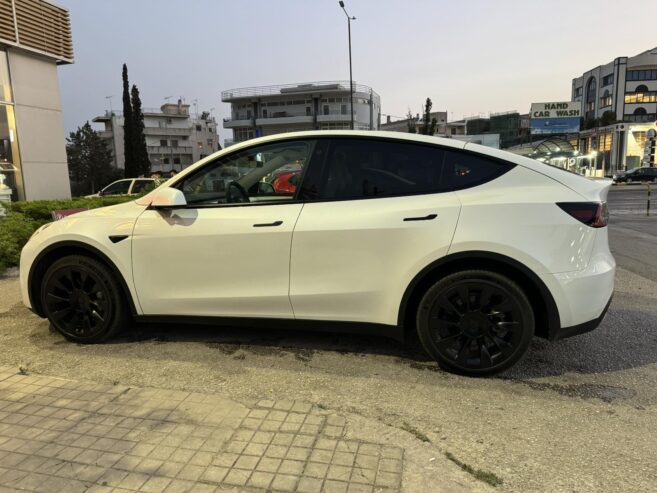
(117, 188)
(252, 175)
(358, 168)
(463, 170)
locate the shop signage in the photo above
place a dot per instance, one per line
(561, 117)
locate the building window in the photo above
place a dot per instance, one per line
(174, 143)
(641, 95)
(248, 114)
(169, 120)
(326, 109)
(165, 160)
(308, 111)
(641, 75)
(199, 128)
(176, 160)
(343, 109)
(640, 115)
(163, 142)
(604, 142)
(605, 100)
(209, 142)
(607, 79)
(264, 113)
(578, 91)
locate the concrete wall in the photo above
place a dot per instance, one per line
(39, 126)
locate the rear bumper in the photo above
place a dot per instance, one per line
(574, 330)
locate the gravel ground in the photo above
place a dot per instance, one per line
(578, 414)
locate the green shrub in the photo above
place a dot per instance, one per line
(41, 210)
(15, 230)
(24, 217)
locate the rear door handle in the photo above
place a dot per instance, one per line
(268, 225)
(428, 217)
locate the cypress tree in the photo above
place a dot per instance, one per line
(140, 152)
(128, 132)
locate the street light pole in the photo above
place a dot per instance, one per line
(351, 80)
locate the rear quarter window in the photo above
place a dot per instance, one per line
(464, 170)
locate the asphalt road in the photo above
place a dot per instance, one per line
(574, 415)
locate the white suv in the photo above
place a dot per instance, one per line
(475, 249)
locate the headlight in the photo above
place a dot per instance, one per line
(38, 230)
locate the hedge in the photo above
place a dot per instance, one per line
(24, 217)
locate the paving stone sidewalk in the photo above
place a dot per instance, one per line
(65, 435)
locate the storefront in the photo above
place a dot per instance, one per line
(35, 38)
(10, 166)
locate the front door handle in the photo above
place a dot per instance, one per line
(428, 217)
(268, 225)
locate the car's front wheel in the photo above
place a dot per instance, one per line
(82, 299)
(475, 322)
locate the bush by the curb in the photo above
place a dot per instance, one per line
(24, 217)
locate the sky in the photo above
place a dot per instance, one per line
(470, 57)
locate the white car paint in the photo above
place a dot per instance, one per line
(346, 260)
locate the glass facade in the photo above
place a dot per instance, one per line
(10, 167)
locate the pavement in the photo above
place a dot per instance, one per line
(73, 436)
(573, 415)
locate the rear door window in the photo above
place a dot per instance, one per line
(369, 168)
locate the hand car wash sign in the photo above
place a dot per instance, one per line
(555, 118)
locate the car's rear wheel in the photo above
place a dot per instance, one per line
(475, 322)
(82, 299)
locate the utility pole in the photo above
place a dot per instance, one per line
(351, 79)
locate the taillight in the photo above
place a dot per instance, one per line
(594, 214)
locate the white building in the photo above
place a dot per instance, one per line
(174, 138)
(268, 110)
(626, 86)
(35, 38)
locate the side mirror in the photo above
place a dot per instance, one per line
(167, 198)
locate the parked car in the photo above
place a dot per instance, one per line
(128, 186)
(637, 175)
(474, 249)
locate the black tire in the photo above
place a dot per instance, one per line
(83, 300)
(475, 322)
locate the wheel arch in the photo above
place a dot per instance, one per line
(545, 308)
(64, 248)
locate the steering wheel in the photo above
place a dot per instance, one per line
(244, 195)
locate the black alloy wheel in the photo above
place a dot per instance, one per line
(82, 300)
(475, 322)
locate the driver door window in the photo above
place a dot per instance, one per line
(268, 173)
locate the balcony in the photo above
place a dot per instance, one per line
(169, 150)
(336, 116)
(323, 87)
(232, 123)
(284, 120)
(167, 131)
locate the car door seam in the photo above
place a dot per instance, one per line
(289, 265)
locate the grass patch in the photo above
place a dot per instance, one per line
(485, 476)
(415, 432)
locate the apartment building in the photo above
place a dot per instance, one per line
(174, 138)
(268, 110)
